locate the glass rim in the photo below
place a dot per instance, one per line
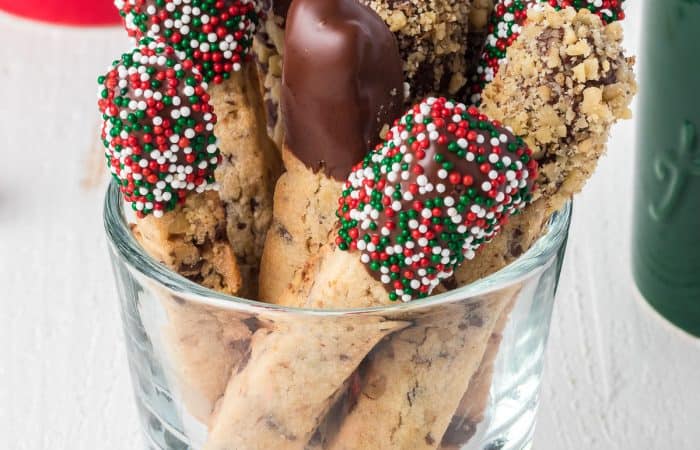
(123, 244)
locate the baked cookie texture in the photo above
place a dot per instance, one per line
(202, 342)
(191, 240)
(248, 172)
(295, 373)
(423, 372)
(216, 239)
(334, 279)
(304, 216)
(205, 344)
(268, 48)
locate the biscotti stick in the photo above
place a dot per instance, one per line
(272, 403)
(159, 133)
(605, 45)
(505, 26)
(576, 130)
(249, 170)
(470, 411)
(405, 411)
(428, 367)
(469, 198)
(349, 86)
(412, 402)
(212, 41)
(336, 101)
(191, 241)
(565, 83)
(216, 38)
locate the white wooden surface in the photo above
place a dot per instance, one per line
(617, 376)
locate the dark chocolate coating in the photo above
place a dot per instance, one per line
(342, 83)
(281, 7)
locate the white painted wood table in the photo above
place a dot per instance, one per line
(617, 376)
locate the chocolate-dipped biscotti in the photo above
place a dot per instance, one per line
(166, 156)
(215, 39)
(336, 103)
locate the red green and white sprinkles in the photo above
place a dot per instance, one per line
(158, 128)
(443, 183)
(506, 25)
(216, 34)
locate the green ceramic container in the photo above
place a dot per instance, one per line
(666, 246)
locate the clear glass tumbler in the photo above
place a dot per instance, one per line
(460, 370)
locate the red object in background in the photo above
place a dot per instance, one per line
(66, 12)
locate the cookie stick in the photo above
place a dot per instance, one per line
(401, 193)
(217, 37)
(158, 132)
(570, 163)
(203, 344)
(336, 102)
(272, 402)
(249, 170)
(466, 177)
(356, 423)
(160, 147)
(316, 92)
(575, 98)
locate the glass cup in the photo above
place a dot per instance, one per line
(460, 370)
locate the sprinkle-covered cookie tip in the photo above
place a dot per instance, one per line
(216, 34)
(506, 25)
(158, 128)
(442, 184)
